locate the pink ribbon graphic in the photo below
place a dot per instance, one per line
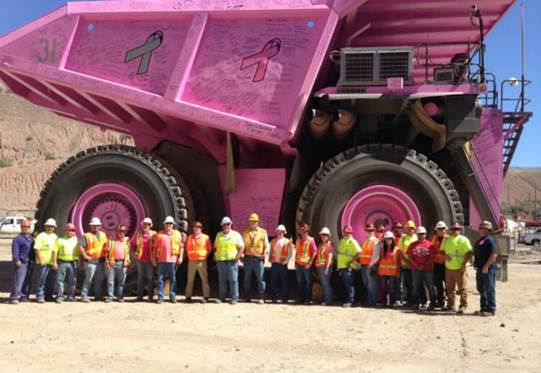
(262, 58)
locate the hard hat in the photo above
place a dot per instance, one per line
(369, 227)
(347, 229)
(410, 224)
(380, 227)
(198, 224)
(147, 221)
(281, 228)
(485, 224)
(25, 223)
(50, 223)
(69, 228)
(388, 234)
(421, 230)
(253, 217)
(121, 228)
(325, 231)
(455, 225)
(169, 220)
(441, 225)
(95, 221)
(226, 220)
(397, 225)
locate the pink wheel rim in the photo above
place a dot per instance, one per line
(379, 204)
(114, 204)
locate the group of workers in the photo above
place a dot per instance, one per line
(388, 268)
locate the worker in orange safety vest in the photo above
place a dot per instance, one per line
(93, 257)
(198, 247)
(368, 259)
(118, 261)
(280, 254)
(389, 268)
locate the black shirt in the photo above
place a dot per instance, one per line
(483, 249)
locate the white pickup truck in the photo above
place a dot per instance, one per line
(533, 238)
(12, 224)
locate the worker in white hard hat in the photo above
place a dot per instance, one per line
(389, 268)
(93, 254)
(256, 247)
(44, 247)
(281, 249)
(323, 263)
(421, 262)
(141, 248)
(405, 271)
(485, 255)
(229, 247)
(439, 263)
(168, 252)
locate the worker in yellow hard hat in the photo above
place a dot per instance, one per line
(406, 278)
(256, 247)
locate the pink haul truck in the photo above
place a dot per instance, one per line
(329, 112)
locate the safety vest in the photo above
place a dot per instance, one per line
(226, 247)
(197, 248)
(68, 249)
(302, 256)
(124, 245)
(323, 253)
(176, 240)
(367, 250)
(388, 264)
(439, 257)
(403, 244)
(139, 243)
(256, 245)
(284, 251)
(94, 245)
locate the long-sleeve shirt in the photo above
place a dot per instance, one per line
(21, 248)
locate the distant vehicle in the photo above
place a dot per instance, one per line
(12, 224)
(533, 238)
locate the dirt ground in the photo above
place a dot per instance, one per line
(99, 337)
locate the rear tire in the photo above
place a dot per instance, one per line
(341, 177)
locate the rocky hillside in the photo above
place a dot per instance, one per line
(520, 189)
(33, 142)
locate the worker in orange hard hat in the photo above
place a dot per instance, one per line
(256, 247)
(22, 252)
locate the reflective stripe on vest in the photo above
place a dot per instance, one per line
(284, 250)
(367, 250)
(197, 248)
(255, 246)
(139, 243)
(226, 247)
(302, 256)
(94, 246)
(68, 249)
(323, 254)
(176, 239)
(388, 266)
(125, 246)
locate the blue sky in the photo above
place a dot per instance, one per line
(503, 58)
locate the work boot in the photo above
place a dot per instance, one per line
(487, 314)
(23, 300)
(70, 299)
(274, 301)
(41, 300)
(260, 301)
(59, 300)
(189, 300)
(234, 301)
(14, 301)
(108, 300)
(460, 311)
(218, 301)
(204, 300)
(160, 301)
(174, 300)
(247, 300)
(431, 307)
(139, 299)
(346, 305)
(120, 300)
(85, 300)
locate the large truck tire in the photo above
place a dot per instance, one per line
(120, 185)
(378, 183)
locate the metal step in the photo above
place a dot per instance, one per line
(513, 123)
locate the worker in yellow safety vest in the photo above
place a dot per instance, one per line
(44, 247)
(118, 261)
(65, 259)
(198, 248)
(406, 277)
(229, 247)
(256, 247)
(93, 256)
(347, 254)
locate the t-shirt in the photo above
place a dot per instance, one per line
(46, 244)
(403, 244)
(456, 247)
(420, 252)
(484, 248)
(347, 249)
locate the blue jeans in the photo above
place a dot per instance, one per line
(117, 271)
(228, 273)
(69, 270)
(256, 265)
(486, 286)
(167, 270)
(406, 281)
(94, 273)
(422, 279)
(347, 280)
(325, 280)
(19, 276)
(388, 289)
(144, 278)
(304, 282)
(279, 274)
(45, 282)
(369, 283)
